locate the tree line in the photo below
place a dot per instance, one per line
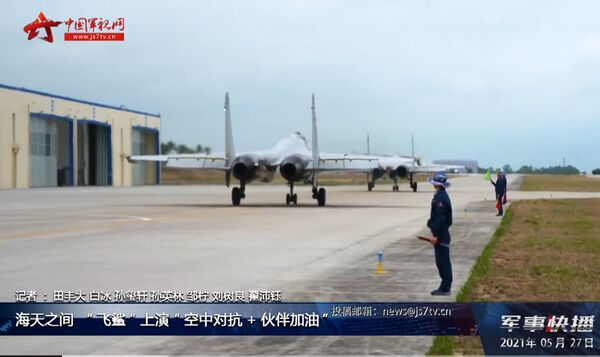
(529, 169)
(171, 147)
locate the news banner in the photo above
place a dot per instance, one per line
(504, 328)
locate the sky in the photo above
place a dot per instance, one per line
(514, 82)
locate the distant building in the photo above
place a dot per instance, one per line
(470, 165)
(50, 140)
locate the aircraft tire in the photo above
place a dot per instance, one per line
(321, 197)
(236, 196)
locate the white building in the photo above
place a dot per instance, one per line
(51, 140)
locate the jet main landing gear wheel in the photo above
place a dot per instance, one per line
(321, 197)
(395, 188)
(370, 186)
(238, 193)
(413, 184)
(236, 196)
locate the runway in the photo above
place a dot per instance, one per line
(191, 238)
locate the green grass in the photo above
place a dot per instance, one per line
(482, 265)
(570, 183)
(543, 250)
(442, 345)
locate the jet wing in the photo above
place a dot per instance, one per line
(427, 169)
(435, 168)
(187, 161)
(414, 165)
(347, 162)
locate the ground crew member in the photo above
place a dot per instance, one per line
(439, 223)
(500, 186)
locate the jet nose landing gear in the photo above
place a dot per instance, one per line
(291, 197)
(395, 188)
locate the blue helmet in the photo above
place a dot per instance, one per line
(439, 179)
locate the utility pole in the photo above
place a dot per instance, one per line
(564, 162)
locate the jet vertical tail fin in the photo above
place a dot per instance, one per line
(315, 143)
(229, 148)
(368, 153)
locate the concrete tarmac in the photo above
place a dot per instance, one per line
(191, 238)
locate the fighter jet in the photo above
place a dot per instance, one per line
(291, 157)
(402, 167)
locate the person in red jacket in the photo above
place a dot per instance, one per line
(500, 188)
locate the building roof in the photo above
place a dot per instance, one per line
(21, 89)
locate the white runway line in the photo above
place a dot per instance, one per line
(143, 219)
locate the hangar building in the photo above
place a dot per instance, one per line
(49, 140)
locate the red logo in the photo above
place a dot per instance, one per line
(81, 29)
(95, 29)
(41, 22)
